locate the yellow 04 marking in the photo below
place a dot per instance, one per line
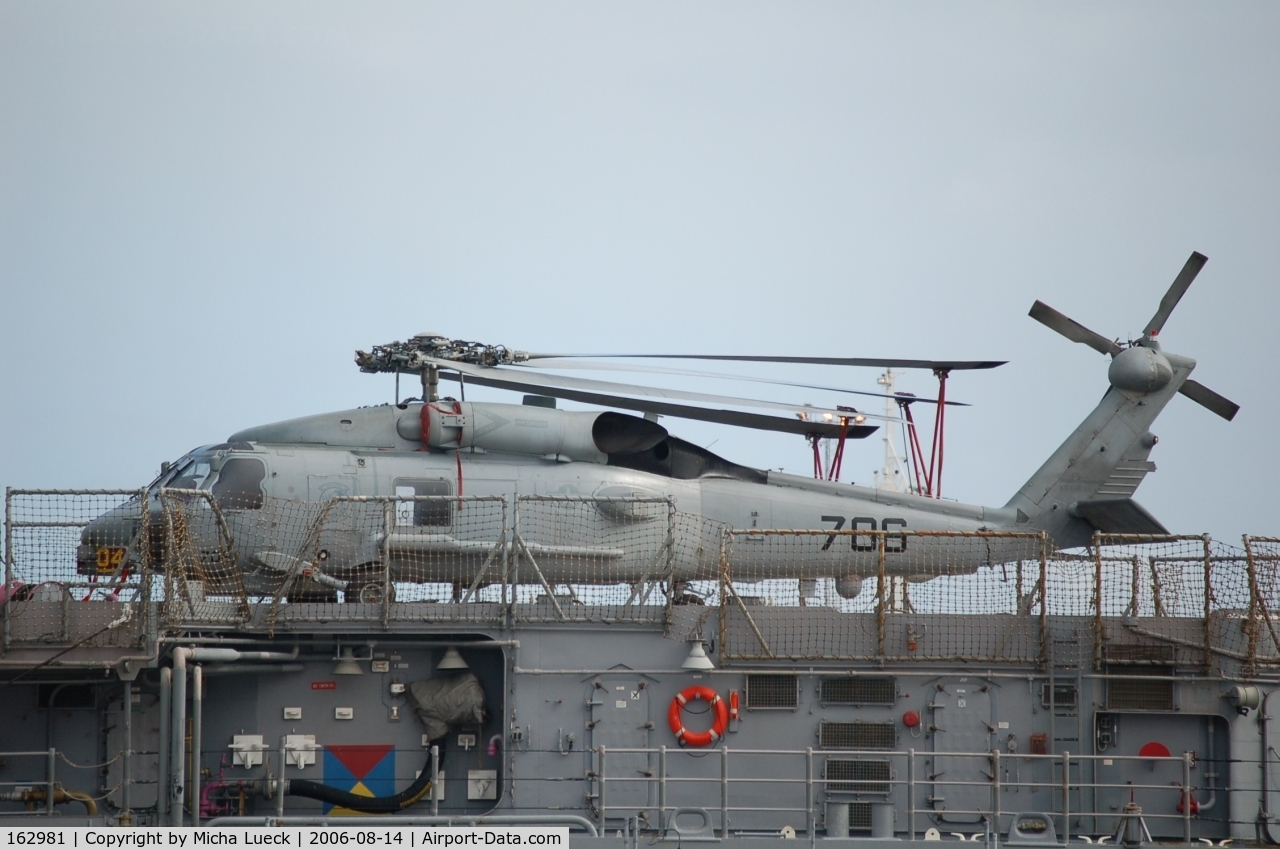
(109, 559)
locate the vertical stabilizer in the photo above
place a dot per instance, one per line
(1087, 484)
(1104, 458)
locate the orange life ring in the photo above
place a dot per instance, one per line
(698, 738)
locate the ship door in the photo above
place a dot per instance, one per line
(962, 715)
(620, 720)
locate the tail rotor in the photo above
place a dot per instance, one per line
(1140, 366)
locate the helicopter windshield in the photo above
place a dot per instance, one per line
(189, 471)
(190, 475)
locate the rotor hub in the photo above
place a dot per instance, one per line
(1140, 369)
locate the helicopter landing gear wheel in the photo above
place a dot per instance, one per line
(369, 584)
(374, 593)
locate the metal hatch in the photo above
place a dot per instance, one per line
(620, 719)
(962, 719)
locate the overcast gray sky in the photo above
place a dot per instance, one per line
(205, 208)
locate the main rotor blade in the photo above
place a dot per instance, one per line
(1210, 400)
(1073, 330)
(551, 364)
(544, 381)
(936, 365)
(679, 411)
(1179, 288)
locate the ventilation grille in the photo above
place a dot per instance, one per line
(1160, 655)
(1139, 694)
(1126, 477)
(1064, 695)
(67, 697)
(859, 691)
(773, 691)
(859, 816)
(857, 735)
(856, 776)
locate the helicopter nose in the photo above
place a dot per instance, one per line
(104, 543)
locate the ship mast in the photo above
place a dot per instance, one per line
(893, 476)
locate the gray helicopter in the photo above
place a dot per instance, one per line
(418, 459)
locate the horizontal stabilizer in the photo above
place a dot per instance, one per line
(1118, 516)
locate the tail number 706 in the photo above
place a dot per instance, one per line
(894, 542)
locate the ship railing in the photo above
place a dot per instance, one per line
(593, 558)
(43, 581)
(14, 791)
(40, 797)
(814, 792)
(853, 592)
(881, 595)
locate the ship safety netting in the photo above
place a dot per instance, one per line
(48, 570)
(866, 595)
(1172, 601)
(202, 579)
(592, 559)
(178, 559)
(349, 558)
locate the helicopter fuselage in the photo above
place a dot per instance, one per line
(262, 489)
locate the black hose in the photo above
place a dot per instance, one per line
(380, 805)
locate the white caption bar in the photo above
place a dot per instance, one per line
(301, 837)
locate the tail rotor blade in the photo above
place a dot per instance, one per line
(1210, 400)
(1073, 330)
(1179, 288)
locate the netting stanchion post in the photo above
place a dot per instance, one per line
(1251, 618)
(1208, 606)
(669, 567)
(1157, 593)
(144, 572)
(1134, 608)
(508, 555)
(8, 561)
(1097, 602)
(169, 547)
(513, 570)
(724, 593)
(1044, 600)
(388, 527)
(1255, 605)
(881, 613)
(146, 623)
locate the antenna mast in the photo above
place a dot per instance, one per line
(893, 476)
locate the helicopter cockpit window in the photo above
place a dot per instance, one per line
(239, 484)
(430, 513)
(193, 475)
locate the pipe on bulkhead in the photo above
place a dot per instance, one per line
(1244, 778)
(162, 768)
(177, 736)
(61, 796)
(178, 721)
(219, 669)
(126, 809)
(1264, 816)
(1210, 769)
(49, 711)
(224, 655)
(197, 721)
